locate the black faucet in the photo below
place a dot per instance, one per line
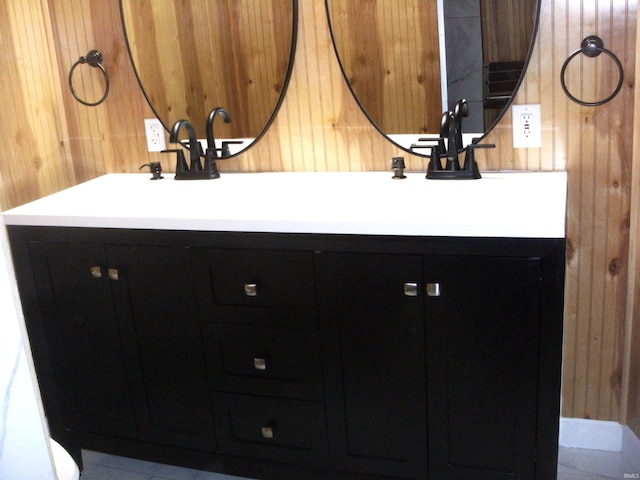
(212, 151)
(194, 146)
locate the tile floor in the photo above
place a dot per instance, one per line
(574, 464)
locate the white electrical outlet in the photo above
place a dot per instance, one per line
(156, 141)
(527, 126)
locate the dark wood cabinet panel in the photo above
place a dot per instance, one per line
(482, 351)
(77, 317)
(256, 287)
(377, 399)
(275, 429)
(155, 299)
(276, 278)
(264, 361)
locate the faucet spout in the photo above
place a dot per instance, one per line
(194, 146)
(460, 111)
(211, 141)
(452, 141)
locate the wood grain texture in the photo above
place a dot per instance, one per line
(50, 142)
(194, 56)
(390, 52)
(630, 406)
(507, 28)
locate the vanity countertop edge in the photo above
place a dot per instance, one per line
(501, 204)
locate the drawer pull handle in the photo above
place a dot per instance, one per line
(96, 272)
(411, 289)
(267, 432)
(433, 289)
(114, 274)
(251, 289)
(260, 363)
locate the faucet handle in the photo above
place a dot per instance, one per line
(435, 165)
(225, 147)
(442, 149)
(470, 163)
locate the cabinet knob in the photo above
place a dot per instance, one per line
(433, 289)
(411, 289)
(96, 272)
(114, 274)
(251, 289)
(268, 431)
(260, 363)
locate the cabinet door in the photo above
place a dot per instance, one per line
(373, 324)
(482, 324)
(82, 335)
(155, 297)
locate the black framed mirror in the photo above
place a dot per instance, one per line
(408, 61)
(191, 56)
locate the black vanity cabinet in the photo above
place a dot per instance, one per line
(116, 330)
(288, 356)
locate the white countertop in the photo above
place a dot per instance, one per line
(518, 204)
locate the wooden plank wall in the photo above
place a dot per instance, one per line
(222, 53)
(595, 146)
(50, 142)
(630, 405)
(390, 51)
(506, 29)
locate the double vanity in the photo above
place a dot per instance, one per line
(302, 325)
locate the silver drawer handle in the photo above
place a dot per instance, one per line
(114, 274)
(267, 432)
(251, 289)
(260, 363)
(411, 289)
(96, 272)
(433, 289)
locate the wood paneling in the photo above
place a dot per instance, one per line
(507, 28)
(631, 365)
(595, 146)
(390, 52)
(50, 142)
(192, 57)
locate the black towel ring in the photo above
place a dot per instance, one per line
(93, 59)
(592, 46)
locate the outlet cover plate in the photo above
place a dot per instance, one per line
(527, 126)
(156, 141)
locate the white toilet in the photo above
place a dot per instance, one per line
(65, 467)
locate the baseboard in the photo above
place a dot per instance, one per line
(591, 434)
(600, 435)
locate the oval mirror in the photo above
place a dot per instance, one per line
(191, 56)
(408, 61)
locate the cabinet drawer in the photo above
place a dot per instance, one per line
(264, 361)
(262, 278)
(290, 431)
